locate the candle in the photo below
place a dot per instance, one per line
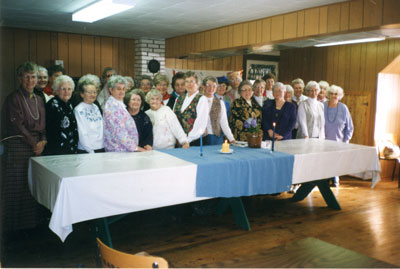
(201, 145)
(225, 147)
(273, 135)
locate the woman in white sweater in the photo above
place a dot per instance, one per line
(166, 127)
(310, 114)
(89, 118)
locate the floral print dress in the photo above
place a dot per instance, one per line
(120, 133)
(240, 112)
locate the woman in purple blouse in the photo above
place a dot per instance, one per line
(338, 122)
(120, 132)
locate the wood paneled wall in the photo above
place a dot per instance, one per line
(330, 19)
(353, 67)
(82, 54)
(232, 63)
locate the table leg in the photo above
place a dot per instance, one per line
(323, 186)
(238, 211)
(102, 231)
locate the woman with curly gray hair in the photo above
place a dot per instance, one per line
(61, 127)
(88, 117)
(166, 127)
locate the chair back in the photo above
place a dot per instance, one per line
(111, 258)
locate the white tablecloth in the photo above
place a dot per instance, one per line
(318, 159)
(89, 186)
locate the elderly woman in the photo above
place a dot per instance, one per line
(235, 78)
(61, 126)
(161, 83)
(298, 87)
(89, 118)
(242, 109)
(259, 89)
(310, 115)
(280, 112)
(269, 79)
(24, 127)
(103, 95)
(217, 119)
(134, 101)
(338, 122)
(145, 84)
(192, 110)
(324, 88)
(166, 127)
(43, 79)
(297, 98)
(289, 94)
(178, 86)
(131, 83)
(120, 132)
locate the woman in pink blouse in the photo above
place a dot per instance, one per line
(120, 133)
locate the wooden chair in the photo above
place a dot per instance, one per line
(111, 258)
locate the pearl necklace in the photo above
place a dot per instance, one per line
(37, 108)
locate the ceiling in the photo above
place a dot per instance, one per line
(156, 19)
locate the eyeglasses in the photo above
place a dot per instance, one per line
(109, 75)
(32, 77)
(211, 85)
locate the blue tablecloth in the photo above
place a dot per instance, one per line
(245, 172)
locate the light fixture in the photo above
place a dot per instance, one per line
(353, 41)
(102, 9)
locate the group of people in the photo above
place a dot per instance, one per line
(49, 115)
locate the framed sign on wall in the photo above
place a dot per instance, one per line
(256, 66)
(257, 69)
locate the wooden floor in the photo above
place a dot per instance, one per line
(369, 224)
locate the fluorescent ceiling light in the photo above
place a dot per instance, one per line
(354, 41)
(102, 9)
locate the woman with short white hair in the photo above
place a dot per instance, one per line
(280, 112)
(88, 117)
(310, 115)
(61, 126)
(324, 88)
(338, 121)
(43, 79)
(289, 94)
(166, 127)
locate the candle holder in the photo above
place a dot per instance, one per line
(273, 136)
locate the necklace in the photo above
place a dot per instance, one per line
(37, 108)
(327, 114)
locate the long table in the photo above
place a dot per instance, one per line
(84, 187)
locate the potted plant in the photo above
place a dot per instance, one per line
(254, 139)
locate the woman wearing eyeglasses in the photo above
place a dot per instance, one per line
(217, 125)
(88, 117)
(25, 136)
